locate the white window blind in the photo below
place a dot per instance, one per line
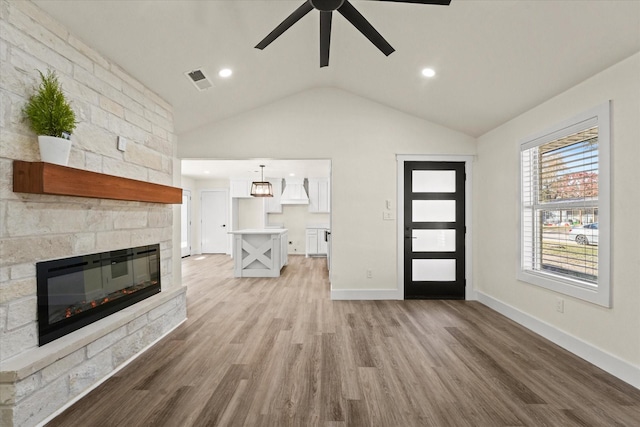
(560, 193)
(564, 238)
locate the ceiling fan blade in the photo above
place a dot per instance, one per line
(286, 24)
(436, 2)
(348, 11)
(325, 37)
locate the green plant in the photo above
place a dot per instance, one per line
(48, 111)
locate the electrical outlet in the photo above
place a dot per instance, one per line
(559, 305)
(387, 216)
(369, 274)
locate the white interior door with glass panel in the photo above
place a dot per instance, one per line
(434, 230)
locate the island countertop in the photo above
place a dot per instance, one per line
(260, 231)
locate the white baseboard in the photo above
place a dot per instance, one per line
(603, 360)
(379, 294)
(365, 294)
(112, 373)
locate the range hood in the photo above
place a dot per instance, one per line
(294, 193)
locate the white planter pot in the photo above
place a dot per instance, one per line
(54, 150)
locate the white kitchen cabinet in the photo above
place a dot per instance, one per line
(322, 243)
(284, 248)
(319, 195)
(240, 188)
(316, 244)
(312, 242)
(272, 204)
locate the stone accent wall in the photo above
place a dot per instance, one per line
(108, 103)
(43, 380)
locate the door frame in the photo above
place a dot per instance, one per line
(188, 218)
(470, 293)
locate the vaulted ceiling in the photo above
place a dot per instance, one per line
(494, 59)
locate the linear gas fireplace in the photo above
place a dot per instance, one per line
(74, 292)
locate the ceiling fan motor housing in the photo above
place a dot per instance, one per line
(326, 5)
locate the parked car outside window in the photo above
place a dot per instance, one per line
(586, 235)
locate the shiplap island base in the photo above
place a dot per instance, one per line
(259, 252)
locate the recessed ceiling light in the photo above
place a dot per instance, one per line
(206, 172)
(428, 72)
(225, 72)
(292, 174)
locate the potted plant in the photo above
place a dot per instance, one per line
(52, 118)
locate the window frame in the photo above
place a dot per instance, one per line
(599, 293)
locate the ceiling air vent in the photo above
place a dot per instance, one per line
(198, 78)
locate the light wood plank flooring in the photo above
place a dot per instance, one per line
(279, 352)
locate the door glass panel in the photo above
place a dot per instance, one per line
(434, 241)
(433, 211)
(433, 181)
(434, 270)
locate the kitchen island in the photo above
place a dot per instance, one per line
(259, 252)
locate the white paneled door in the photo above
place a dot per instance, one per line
(434, 230)
(215, 220)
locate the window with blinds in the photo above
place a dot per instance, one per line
(562, 236)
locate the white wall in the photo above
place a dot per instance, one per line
(613, 331)
(361, 138)
(250, 213)
(188, 184)
(296, 218)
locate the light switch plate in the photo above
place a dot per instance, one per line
(122, 143)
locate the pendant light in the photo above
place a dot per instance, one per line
(261, 188)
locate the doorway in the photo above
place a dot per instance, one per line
(185, 224)
(433, 217)
(214, 213)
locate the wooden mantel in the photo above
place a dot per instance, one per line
(48, 178)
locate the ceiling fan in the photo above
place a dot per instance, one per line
(346, 9)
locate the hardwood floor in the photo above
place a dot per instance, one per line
(279, 352)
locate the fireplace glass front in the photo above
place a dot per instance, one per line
(74, 292)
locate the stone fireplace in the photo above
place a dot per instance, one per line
(39, 376)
